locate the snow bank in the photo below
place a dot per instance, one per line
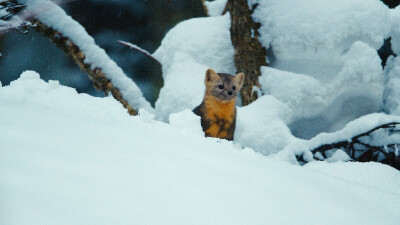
(68, 158)
(55, 17)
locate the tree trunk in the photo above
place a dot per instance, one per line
(250, 55)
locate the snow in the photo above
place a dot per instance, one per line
(356, 90)
(187, 42)
(338, 156)
(215, 8)
(184, 89)
(69, 158)
(395, 32)
(321, 30)
(262, 126)
(12, 23)
(363, 173)
(56, 18)
(187, 122)
(392, 93)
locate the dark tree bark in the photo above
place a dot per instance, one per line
(99, 79)
(250, 55)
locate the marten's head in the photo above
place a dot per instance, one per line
(222, 86)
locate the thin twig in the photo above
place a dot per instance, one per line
(137, 48)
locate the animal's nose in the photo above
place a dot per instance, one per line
(230, 92)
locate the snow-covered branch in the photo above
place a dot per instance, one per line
(73, 39)
(379, 144)
(9, 18)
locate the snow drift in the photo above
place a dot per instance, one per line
(69, 158)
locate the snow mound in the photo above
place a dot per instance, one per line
(262, 125)
(202, 40)
(183, 89)
(356, 90)
(187, 122)
(321, 30)
(69, 158)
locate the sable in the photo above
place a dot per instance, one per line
(217, 110)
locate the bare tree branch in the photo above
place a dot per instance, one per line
(137, 48)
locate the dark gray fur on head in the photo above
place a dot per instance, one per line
(229, 89)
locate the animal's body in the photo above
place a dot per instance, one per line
(218, 110)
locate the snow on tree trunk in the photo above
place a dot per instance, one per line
(250, 55)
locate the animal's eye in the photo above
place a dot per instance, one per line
(220, 86)
(233, 87)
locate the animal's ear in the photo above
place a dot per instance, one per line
(211, 76)
(239, 78)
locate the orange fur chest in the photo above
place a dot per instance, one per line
(220, 115)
